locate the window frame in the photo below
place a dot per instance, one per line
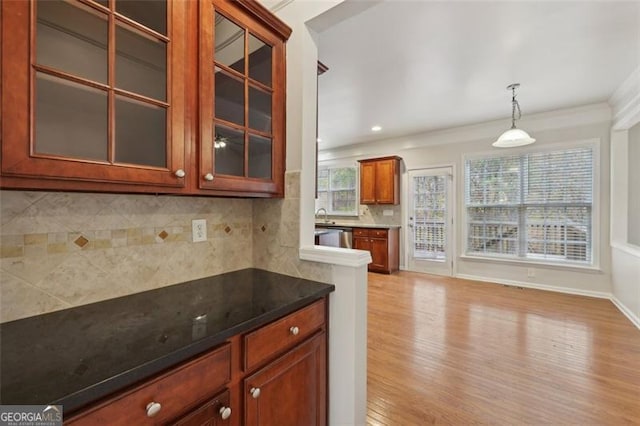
(594, 263)
(331, 212)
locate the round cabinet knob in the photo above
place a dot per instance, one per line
(180, 173)
(294, 330)
(153, 408)
(225, 412)
(255, 392)
(208, 177)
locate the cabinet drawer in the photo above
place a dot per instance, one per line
(360, 232)
(379, 233)
(214, 412)
(262, 344)
(176, 391)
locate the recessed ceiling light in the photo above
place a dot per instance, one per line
(376, 128)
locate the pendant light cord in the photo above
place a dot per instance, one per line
(514, 105)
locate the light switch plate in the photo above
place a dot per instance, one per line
(199, 230)
(387, 212)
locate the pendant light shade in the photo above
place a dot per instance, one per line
(514, 136)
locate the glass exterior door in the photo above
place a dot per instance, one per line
(430, 221)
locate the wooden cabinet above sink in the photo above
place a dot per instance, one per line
(380, 180)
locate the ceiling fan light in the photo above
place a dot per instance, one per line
(512, 138)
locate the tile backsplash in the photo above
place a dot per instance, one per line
(59, 250)
(373, 215)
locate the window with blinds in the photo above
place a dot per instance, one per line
(337, 190)
(531, 206)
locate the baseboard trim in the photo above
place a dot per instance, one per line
(566, 290)
(626, 311)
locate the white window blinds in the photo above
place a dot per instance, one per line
(536, 205)
(337, 190)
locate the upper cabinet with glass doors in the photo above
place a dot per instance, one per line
(93, 94)
(242, 99)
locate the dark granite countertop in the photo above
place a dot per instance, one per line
(78, 355)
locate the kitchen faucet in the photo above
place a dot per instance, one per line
(326, 219)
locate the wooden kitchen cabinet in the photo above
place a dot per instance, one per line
(380, 180)
(289, 385)
(274, 375)
(241, 98)
(153, 97)
(93, 95)
(383, 244)
(290, 391)
(175, 393)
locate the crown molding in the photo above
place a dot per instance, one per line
(625, 102)
(548, 120)
(280, 5)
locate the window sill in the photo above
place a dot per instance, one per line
(594, 269)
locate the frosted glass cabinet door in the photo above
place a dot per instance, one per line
(97, 102)
(242, 100)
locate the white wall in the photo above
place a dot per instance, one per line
(625, 256)
(448, 147)
(633, 208)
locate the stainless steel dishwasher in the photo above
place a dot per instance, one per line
(346, 238)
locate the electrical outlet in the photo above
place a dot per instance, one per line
(531, 272)
(199, 230)
(387, 212)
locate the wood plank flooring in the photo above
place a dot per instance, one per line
(451, 351)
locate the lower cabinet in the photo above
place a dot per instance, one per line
(274, 375)
(383, 244)
(165, 397)
(290, 391)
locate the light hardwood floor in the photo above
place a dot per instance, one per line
(451, 351)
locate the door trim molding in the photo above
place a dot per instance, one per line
(404, 202)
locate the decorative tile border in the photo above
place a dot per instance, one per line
(41, 244)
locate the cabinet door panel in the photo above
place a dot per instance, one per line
(367, 183)
(60, 106)
(292, 388)
(386, 182)
(379, 254)
(361, 244)
(247, 93)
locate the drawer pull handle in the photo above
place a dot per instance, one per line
(208, 177)
(153, 408)
(225, 412)
(255, 392)
(180, 173)
(294, 330)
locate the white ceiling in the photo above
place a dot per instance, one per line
(416, 66)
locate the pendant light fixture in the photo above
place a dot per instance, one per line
(514, 136)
